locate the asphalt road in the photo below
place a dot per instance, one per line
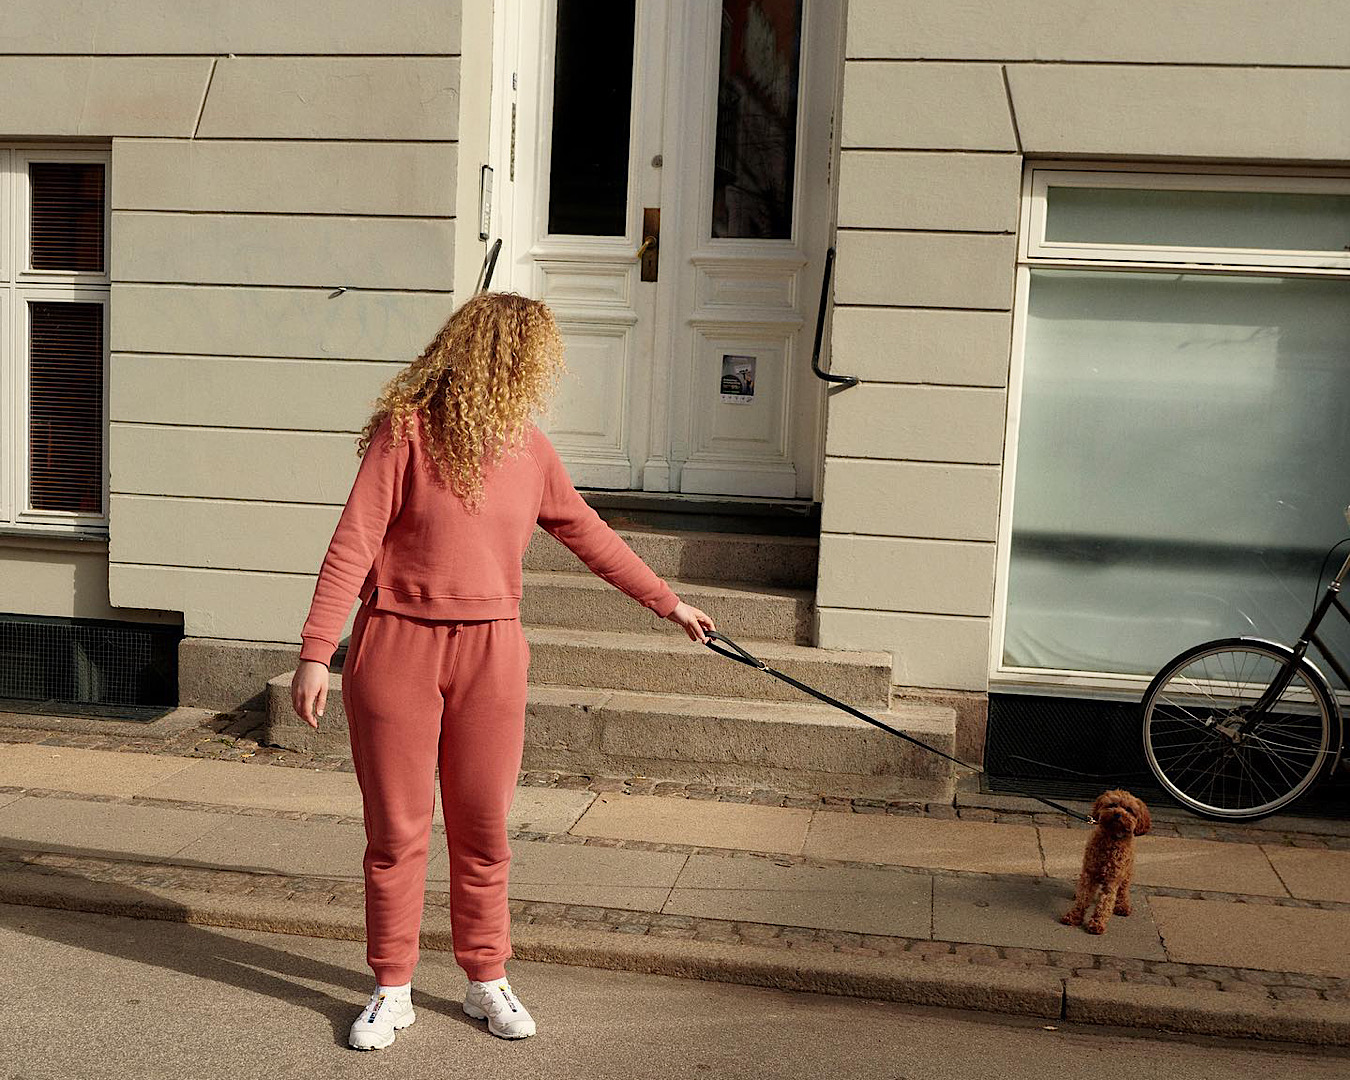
(88, 997)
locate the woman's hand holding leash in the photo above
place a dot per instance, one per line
(692, 620)
(309, 688)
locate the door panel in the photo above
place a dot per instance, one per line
(699, 381)
(573, 168)
(757, 115)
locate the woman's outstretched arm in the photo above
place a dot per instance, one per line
(566, 516)
(375, 499)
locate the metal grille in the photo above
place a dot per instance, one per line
(87, 662)
(1074, 746)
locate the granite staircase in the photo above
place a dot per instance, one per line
(617, 691)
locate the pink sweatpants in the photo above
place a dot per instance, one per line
(420, 694)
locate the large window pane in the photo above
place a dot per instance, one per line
(1183, 459)
(755, 156)
(1268, 220)
(592, 106)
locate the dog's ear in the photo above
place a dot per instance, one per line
(1098, 805)
(1143, 820)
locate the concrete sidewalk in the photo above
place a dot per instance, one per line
(1230, 936)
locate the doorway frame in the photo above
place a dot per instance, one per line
(658, 440)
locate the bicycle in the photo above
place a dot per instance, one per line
(1238, 728)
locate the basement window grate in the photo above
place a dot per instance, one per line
(1076, 748)
(101, 664)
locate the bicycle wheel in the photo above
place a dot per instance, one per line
(1211, 758)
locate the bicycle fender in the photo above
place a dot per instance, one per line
(1313, 670)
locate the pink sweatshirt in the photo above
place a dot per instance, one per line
(412, 543)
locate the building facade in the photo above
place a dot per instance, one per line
(1092, 272)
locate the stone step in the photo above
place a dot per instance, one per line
(694, 512)
(673, 664)
(805, 747)
(663, 659)
(615, 690)
(745, 558)
(583, 601)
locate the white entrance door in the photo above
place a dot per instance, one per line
(706, 127)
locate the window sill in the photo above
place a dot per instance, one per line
(86, 539)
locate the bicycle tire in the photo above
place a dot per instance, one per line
(1223, 778)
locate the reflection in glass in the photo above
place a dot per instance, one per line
(592, 105)
(756, 149)
(1183, 455)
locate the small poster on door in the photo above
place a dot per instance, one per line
(738, 379)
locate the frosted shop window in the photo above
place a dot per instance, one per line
(1178, 445)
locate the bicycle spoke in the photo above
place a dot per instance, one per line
(1269, 793)
(1214, 775)
(1295, 777)
(1290, 727)
(1243, 772)
(1185, 741)
(1278, 764)
(1195, 721)
(1314, 751)
(1197, 753)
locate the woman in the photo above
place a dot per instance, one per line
(453, 479)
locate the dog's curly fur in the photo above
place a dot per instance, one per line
(1108, 860)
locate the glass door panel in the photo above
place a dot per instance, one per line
(592, 112)
(754, 161)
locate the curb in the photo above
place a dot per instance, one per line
(903, 980)
(1207, 1012)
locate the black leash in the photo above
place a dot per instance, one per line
(743, 657)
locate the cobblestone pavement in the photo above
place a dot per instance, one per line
(231, 737)
(779, 858)
(346, 893)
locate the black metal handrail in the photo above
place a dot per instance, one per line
(848, 380)
(489, 265)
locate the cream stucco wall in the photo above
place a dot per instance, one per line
(259, 160)
(942, 103)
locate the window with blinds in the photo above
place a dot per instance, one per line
(66, 215)
(53, 308)
(65, 407)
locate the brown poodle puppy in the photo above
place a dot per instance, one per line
(1108, 860)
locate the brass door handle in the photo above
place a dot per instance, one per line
(648, 255)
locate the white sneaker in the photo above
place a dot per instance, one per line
(383, 1014)
(497, 1002)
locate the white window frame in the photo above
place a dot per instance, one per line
(1039, 177)
(1034, 252)
(20, 283)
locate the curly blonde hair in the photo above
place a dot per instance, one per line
(494, 362)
